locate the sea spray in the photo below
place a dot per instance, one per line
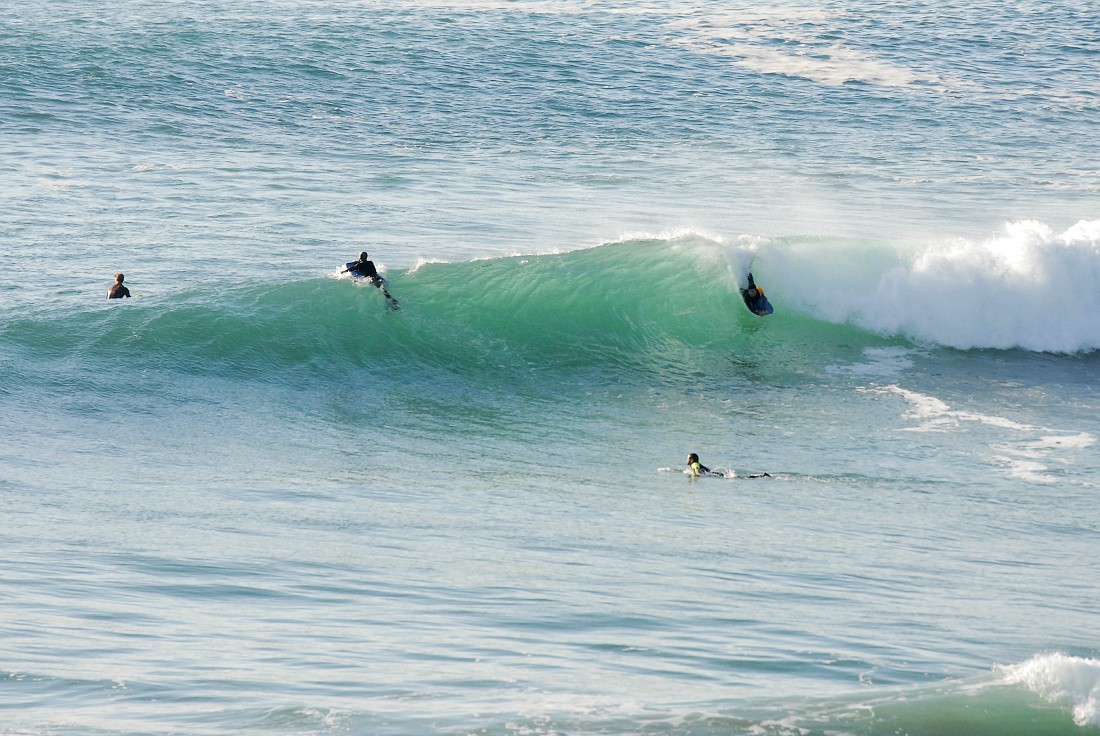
(1064, 679)
(1031, 288)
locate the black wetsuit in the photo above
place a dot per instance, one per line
(117, 291)
(364, 270)
(756, 304)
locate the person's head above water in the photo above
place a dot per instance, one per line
(363, 256)
(693, 458)
(119, 278)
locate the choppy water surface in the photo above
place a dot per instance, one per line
(252, 500)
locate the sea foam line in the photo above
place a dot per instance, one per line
(756, 40)
(1027, 461)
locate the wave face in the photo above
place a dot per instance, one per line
(665, 309)
(1053, 694)
(654, 306)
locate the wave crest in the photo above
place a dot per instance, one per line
(1030, 288)
(1065, 679)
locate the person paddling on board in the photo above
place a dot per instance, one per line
(117, 290)
(754, 298)
(364, 269)
(695, 468)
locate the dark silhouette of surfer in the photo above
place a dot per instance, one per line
(364, 269)
(755, 300)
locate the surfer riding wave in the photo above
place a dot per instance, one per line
(364, 268)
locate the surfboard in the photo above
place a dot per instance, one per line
(760, 306)
(727, 473)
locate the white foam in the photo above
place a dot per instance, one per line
(420, 262)
(881, 362)
(1028, 460)
(929, 409)
(671, 235)
(756, 38)
(1060, 678)
(1030, 471)
(832, 65)
(760, 39)
(1077, 441)
(1029, 288)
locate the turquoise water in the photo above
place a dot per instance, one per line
(252, 500)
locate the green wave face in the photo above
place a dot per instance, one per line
(636, 311)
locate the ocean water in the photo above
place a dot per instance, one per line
(252, 500)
